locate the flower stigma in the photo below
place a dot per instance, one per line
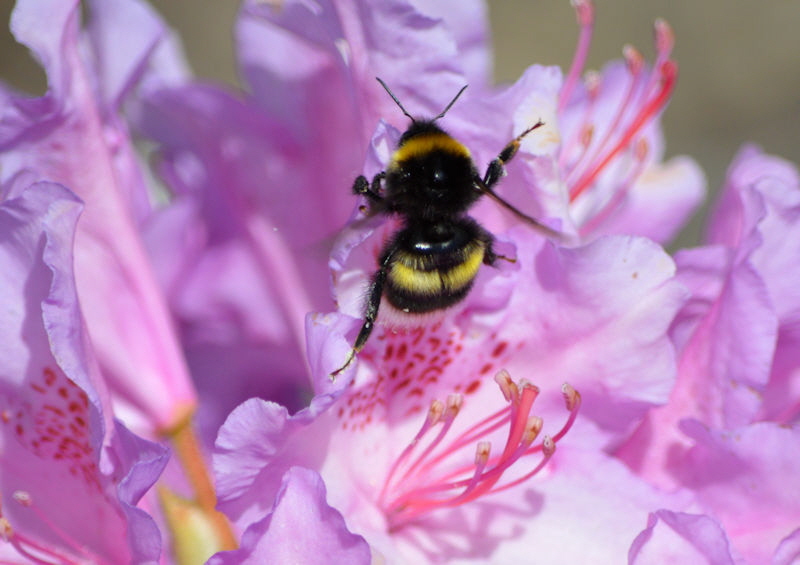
(431, 473)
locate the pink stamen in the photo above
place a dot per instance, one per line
(548, 449)
(665, 39)
(529, 394)
(454, 402)
(633, 59)
(587, 151)
(24, 499)
(433, 416)
(584, 10)
(33, 550)
(492, 422)
(635, 64)
(583, 135)
(597, 219)
(481, 429)
(435, 478)
(572, 399)
(668, 74)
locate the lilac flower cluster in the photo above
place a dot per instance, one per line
(596, 400)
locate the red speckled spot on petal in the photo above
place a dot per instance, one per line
(53, 423)
(411, 367)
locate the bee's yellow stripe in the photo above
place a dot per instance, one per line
(416, 282)
(463, 274)
(423, 144)
(429, 283)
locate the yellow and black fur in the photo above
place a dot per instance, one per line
(430, 184)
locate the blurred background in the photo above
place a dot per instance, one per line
(739, 63)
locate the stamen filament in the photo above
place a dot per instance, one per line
(529, 394)
(584, 10)
(621, 192)
(24, 499)
(447, 422)
(548, 453)
(434, 415)
(484, 428)
(583, 135)
(429, 482)
(572, 398)
(668, 75)
(635, 64)
(21, 544)
(481, 459)
(463, 440)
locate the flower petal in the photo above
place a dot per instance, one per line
(122, 59)
(71, 478)
(300, 528)
(726, 336)
(788, 551)
(661, 200)
(677, 537)
(257, 444)
(759, 213)
(143, 462)
(741, 477)
(73, 138)
(597, 317)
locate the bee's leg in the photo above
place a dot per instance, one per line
(496, 170)
(371, 312)
(490, 256)
(370, 190)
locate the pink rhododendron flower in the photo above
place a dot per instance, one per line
(591, 400)
(729, 431)
(73, 135)
(70, 475)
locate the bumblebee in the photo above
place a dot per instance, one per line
(431, 182)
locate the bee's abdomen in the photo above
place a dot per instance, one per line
(419, 283)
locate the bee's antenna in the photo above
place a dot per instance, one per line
(453, 101)
(396, 101)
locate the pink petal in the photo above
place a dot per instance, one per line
(71, 477)
(788, 551)
(743, 477)
(300, 528)
(257, 444)
(128, 322)
(597, 317)
(661, 201)
(677, 537)
(726, 335)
